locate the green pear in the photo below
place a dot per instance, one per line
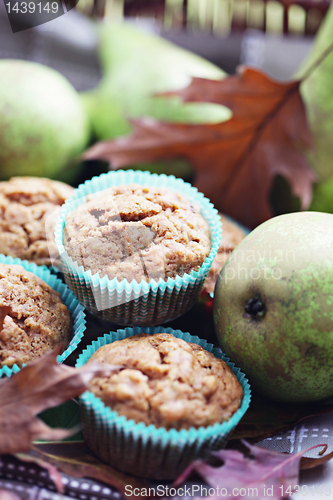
(136, 65)
(273, 307)
(317, 93)
(43, 124)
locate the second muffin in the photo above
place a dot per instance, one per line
(167, 382)
(137, 262)
(178, 375)
(232, 235)
(136, 232)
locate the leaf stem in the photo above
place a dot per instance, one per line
(317, 63)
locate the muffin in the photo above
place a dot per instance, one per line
(135, 232)
(232, 235)
(135, 247)
(33, 318)
(167, 382)
(25, 206)
(175, 399)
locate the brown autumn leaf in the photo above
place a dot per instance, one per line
(242, 446)
(76, 460)
(235, 161)
(259, 473)
(41, 384)
(311, 463)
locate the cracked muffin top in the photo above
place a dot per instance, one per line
(33, 318)
(135, 232)
(166, 382)
(25, 206)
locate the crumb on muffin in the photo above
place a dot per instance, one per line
(33, 318)
(135, 232)
(25, 205)
(167, 382)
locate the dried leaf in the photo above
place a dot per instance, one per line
(310, 463)
(40, 385)
(305, 463)
(75, 459)
(235, 161)
(266, 417)
(264, 474)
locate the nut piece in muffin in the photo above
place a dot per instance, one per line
(232, 235)
(33, 318)
(167, 382)
(25, 205)
(135, 232)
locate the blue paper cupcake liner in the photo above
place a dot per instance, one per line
(148, 451)
(136, 304)
(76, 310)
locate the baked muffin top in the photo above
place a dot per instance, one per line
(25, 205)
(137, 232)
(33, 318)
(167, 382)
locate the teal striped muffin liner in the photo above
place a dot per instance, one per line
(148, 451)
(76, 310)
(132, 303)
